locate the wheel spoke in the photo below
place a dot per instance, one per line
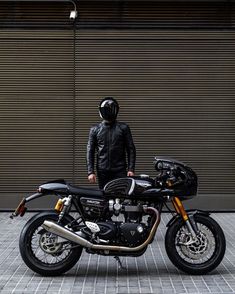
(45, 247)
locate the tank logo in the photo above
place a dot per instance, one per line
(132, 233)
(93, 202)
(145, 185)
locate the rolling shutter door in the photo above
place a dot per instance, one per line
(176, 91)
(36, 111)
(169, 64)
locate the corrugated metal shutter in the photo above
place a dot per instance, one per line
(176, 91)
(36, 110)
(36, 97)
(169, 64)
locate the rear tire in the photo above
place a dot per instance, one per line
(197, 258)
(40, 250)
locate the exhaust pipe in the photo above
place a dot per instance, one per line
(73, 237)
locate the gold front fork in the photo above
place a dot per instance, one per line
(180, 210)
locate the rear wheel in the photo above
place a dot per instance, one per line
(198, 256)
(44, 252)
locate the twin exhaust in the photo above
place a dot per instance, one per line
(73, 237)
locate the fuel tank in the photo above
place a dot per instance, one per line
(136, 187)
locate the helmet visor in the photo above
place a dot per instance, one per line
(109, 109)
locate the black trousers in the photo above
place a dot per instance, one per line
(105, 176)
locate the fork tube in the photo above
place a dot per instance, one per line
(180, 210)
(175, 207)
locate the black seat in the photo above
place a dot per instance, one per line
(82, 191)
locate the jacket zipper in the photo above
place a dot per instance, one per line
(109, 153)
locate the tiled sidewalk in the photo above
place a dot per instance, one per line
(150, 273)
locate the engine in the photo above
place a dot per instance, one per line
(101, 208)
(101, 228)
(117, 233)
(133, 234)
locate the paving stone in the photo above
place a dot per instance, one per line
(148, 274)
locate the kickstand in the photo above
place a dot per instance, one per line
(119, 262)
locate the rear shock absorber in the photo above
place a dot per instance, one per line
(63, 205)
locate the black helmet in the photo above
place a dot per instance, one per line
(109, 109)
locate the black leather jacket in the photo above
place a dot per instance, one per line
(112, 142)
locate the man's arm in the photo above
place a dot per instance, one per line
(131, 151)
(91, 147)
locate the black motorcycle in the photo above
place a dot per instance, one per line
(121, 220)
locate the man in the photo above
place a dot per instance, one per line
(112, 142)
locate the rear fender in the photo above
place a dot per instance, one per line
(57, 187)
(190, 213)
(21, 208)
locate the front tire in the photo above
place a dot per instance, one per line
(41, 250)
(200, 257)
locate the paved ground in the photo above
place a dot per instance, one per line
(150, 273)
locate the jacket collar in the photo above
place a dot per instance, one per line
(108, 123)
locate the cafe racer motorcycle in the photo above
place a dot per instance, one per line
(51, 242)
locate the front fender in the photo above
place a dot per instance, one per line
(189, 212)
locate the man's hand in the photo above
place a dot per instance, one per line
(130, 174)
(92, 178)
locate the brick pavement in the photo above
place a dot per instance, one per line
(93, 274)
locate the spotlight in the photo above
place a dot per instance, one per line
(73, 14)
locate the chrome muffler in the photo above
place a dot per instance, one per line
(73, 237)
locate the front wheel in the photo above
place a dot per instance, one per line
(198, 256)
(44, 252)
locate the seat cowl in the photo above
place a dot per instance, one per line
(58, 186)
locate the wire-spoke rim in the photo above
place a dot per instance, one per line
(197, 252)
(46, 248)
